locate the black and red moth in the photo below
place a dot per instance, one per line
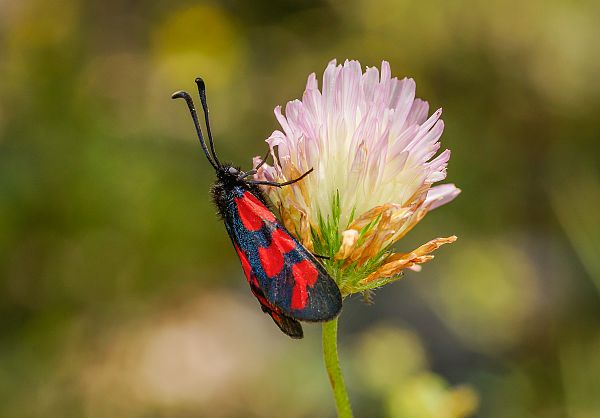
(288, 281)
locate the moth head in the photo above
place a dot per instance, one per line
(229, 174)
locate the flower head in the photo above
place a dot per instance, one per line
(373, 150)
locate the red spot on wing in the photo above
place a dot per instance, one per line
(249, 218)
(271, 259)
(259, 207)
(245, 264)
(305, 274)
(252, 211)
(282, 240)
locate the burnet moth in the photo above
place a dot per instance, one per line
(288, 281)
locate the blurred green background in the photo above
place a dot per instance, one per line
(121, 297)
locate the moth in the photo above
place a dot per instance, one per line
(288, 281)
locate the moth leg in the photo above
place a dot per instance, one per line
(323, 257)
(285, 183)
(255, 170)
(247, 174)
(264, 159)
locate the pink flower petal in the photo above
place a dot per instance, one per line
(368, 139)
(440, 195)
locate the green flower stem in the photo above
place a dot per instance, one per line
(332, 364)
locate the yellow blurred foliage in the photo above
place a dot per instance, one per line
(202, 37)
(487, 294)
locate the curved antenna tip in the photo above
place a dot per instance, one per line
(200, 83)
(179, 95)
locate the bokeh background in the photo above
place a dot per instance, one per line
(121, 297)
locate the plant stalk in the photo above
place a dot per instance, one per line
(332, 364)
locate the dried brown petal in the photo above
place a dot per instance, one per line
(397, 262)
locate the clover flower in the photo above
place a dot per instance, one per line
(373, 150)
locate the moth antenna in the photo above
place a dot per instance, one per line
(202, 94)
(190, 104)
